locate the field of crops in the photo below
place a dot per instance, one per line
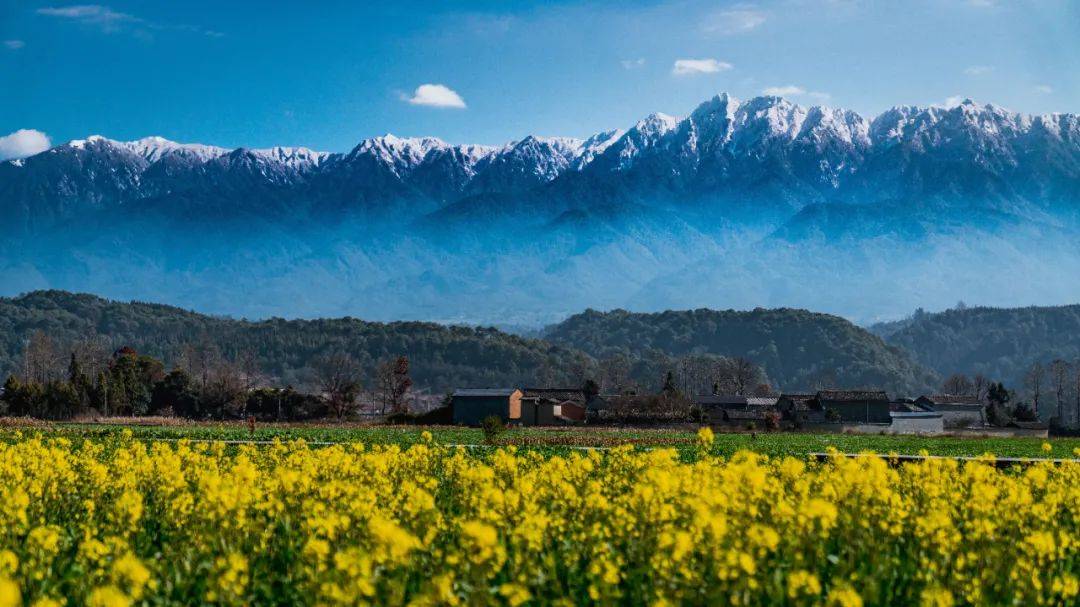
(114, 520)
(558, 440)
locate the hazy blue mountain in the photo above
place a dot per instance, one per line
(739, 204)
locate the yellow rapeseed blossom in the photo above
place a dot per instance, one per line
(122, 522)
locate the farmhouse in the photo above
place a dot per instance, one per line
(957, 411)
(471, 406)
(801, 408)
(550, 406)
(716, 407)
(859, 406)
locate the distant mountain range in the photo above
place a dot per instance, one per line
(795, 348)
(738, 205)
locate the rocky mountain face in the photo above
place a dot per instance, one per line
(739, 204)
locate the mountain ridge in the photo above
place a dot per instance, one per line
(736, 205)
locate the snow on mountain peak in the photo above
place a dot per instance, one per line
(295, 157)
(155, 148)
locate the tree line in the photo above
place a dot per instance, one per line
(53, 382)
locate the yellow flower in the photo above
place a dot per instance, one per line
(515, 594)
(1047, 447)
(801, 582)
(705, 437)
(9, 563)
(9, 593)
(843, 596)
(108, 596)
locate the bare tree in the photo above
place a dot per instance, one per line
(958, 384)
(738, 376)
(1076, 390)
(92, 354)
(695, 374)
(41, 359)
(200, 360)
(384, 384)
(339, 379)
(1033, 381)
(980, 386)
(1059, 381)
(225, 391)
(614, 374)
(248, 364)
(400, 385)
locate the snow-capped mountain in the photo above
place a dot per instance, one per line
(659, 213)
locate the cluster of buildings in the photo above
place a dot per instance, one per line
(846, 410)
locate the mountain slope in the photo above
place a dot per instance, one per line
(441, 357)
(799, 350)
(1000, 343)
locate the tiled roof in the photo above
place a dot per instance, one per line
(762, 401)
(576, 394)
(484, 392)
(953, 399)
(717, 400)
(852, 395)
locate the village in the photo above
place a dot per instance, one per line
(844, 411)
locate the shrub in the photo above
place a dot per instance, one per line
(493, 427)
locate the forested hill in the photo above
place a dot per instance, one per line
(798, 349)
(997, 342)
(442, 357)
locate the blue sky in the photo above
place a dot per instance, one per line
(328, 74)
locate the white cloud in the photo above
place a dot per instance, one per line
(94, 14)
(1045, 89)
(14, 44)
(734, 21)
(110, 21)
(953, 101)
(687, 67)
(792, 90)
(978, 70)
(23, 143)
(784, 91)
(633, 64)
(436, 95)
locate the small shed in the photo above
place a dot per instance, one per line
(958, 411)
(856, 406)
(799, 407)
(551, 406)
(714, 407)
(472, 405)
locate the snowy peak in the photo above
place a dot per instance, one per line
(155, 148)
(298, 158)
(596, 145)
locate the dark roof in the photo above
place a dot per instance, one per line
(560, 394)
(852, 395)
(719, 400)
(951, 399)
(505, 392)
(800, 402)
